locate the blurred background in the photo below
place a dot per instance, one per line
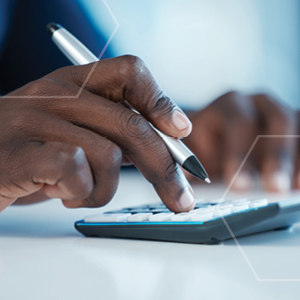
(196, 49)
(200, 49)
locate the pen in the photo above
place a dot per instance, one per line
(78, 54)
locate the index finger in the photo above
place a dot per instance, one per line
(133, 134)
(126, 78)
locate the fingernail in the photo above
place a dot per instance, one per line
(280, 181)
(186, 200)
(180, 120)
(242, 182)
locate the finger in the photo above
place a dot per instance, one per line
(36, 197)
(239, 133)
(138, 141)
(104, 157)
(128, 78)
(277, 146)
(62, 170)
(296, 177)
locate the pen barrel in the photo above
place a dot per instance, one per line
(176, 147)
(79, 54)
(73, 49)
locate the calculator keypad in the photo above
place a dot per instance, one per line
(203, 212)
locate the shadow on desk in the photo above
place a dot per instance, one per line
(32, 222)
(36, 228)
(281, 238)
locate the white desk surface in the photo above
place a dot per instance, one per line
(43, 257)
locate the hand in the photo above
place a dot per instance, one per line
(226, 130)
(72, 148)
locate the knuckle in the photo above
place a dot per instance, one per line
(164, 169)
(132, 125)
(279, 117)
(230, 97)
(169, 171)
(131, 66)
(111, 157)
(233, 94)
(164, 106)
(72, 157)
(40, 87)
(237, 107)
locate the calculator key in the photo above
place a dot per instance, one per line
(241, 201)
(139, 207)
(240, 207)
(182, 217)
(203, 209)
(156, 206)
(221, 212)
(103, 218)
(259, 203)
(202, 217)
(224, 205)
(161, 217)
(139, 217)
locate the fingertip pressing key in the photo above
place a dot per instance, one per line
(186, 201)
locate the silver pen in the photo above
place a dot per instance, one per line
(79, 54)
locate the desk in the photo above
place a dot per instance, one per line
(42, 257)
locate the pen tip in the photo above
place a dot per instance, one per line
(207, 180)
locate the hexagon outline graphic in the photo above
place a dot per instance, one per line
(228, 227)
(232, 180)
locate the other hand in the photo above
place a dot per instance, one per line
(237, 125)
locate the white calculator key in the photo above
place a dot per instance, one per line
(222, 212)
(259, 203)
(182, 217)
(224, 205)
(139, 217)
(203, 210)
(216, 201)
(202, 217)
(160, 217)
(240, 207)
(102, 218)
(241, 201)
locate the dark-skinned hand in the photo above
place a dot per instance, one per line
(225, 131)
(56, 146)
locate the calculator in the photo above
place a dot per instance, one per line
(210, 222)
